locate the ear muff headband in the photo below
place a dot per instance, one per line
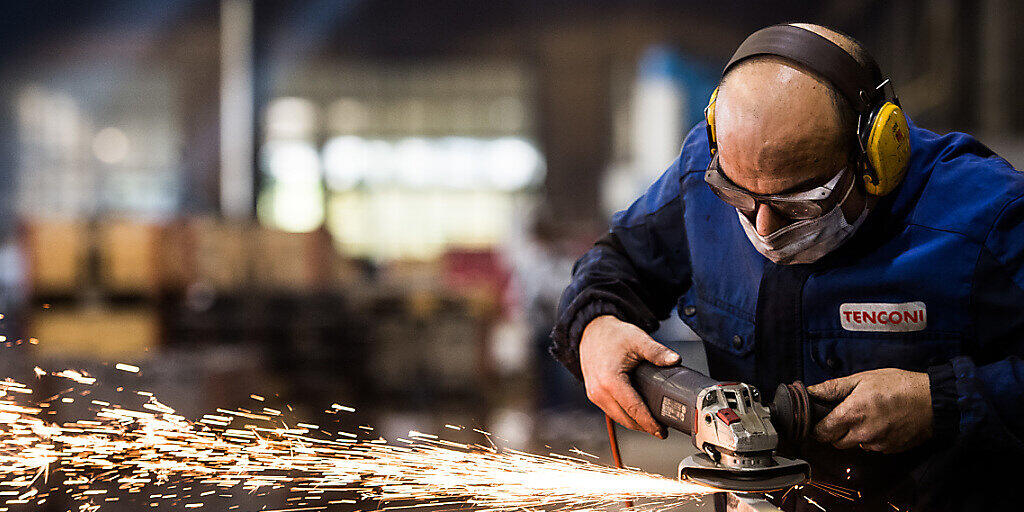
(882, 133)
(855, 82)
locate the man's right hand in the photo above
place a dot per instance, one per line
(609, 350)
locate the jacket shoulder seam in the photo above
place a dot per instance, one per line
(943, 230)
(995, 220)
(643, 219)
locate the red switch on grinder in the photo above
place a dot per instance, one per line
(729, 416)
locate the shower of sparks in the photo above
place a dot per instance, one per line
(119, 452)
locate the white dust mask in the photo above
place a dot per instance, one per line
(805, 241)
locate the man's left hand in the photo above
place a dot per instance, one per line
(886, 410)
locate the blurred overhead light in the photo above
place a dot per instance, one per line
(291, 161)
(348, 116)
(346, 162)
(110, 145)
(292, 207)
(512, 163)
(415, 162)
(462, 162)
(380, 162)
(291, 118)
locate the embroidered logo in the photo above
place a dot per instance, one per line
(876, 316)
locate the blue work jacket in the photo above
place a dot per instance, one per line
(933, 281)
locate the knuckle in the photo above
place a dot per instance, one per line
(827, 426)
(608, 387)
(872, 436)
(866, 436)
(636, 410)
(596, 393)
(879, 445)
(822, 427)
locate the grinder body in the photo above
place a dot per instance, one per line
(729, 425)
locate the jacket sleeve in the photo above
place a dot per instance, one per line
(978, 398)
(637, 270)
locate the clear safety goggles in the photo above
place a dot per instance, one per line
(803, 205)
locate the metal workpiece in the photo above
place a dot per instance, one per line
(746, 502)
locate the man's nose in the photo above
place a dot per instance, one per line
(767, 221)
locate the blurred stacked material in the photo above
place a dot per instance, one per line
(475, 269)
(412, 274)
(129, 261)
(176, 255)
(97, 334)
(57, 253)
(293, 262)
(427, 350)
(222, 253)
(480, 277)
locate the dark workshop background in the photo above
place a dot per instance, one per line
(376, 203)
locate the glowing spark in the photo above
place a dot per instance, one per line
(127, 368)
(78, 377)
(812, 502)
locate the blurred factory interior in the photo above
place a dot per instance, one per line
(377, 203)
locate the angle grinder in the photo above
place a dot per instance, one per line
(736, 434)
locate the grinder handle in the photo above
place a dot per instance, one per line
(670, 393)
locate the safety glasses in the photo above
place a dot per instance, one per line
(795, 206)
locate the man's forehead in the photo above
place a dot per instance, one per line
(777, 170)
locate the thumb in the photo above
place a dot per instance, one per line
(836, 389)
(655, 352)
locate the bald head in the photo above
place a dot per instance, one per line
(781, 127)
(778, 126)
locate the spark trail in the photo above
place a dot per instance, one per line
(125, 453)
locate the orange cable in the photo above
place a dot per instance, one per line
(613, 440)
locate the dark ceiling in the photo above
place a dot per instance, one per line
(380, 27)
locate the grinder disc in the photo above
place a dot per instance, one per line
(699, 468)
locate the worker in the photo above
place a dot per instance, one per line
(810, 231)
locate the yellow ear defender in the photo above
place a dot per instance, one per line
(709, 116)
(885, 147)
